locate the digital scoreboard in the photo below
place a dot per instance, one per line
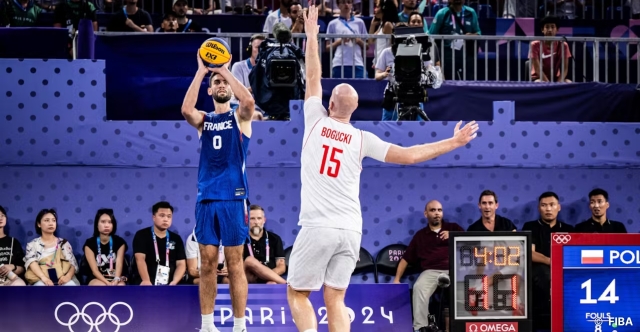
(594, 282)
(490, 281)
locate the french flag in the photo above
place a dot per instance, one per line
(592, 256)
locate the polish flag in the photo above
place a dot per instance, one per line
(592, 256)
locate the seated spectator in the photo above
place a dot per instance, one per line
(68, 14)
(541, 231)
(169, 23)
(131, 19)
(21, 14)
(490, 221)
(264, 256)
(554, 53)
(276, 16)
(159, 253)
(194, 262)
(241, 70)
(599, 223)
(457, 19)
(429, 249)
(180, 9)
(49, 259)
(11, 256)
(569, 9)
(347, 52)
(105, 252)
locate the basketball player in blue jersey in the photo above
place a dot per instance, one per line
(221, 208)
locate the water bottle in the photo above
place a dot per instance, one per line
(12, 276)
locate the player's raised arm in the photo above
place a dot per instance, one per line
(423, 152)
(189, 111)
(247, 103)
(312, 58)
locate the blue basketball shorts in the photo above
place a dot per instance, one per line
(222, 223)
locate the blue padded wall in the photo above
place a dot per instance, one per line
(57, 150)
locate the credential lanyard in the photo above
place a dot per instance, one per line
(453, 19)
(186, 29)
(110, 252)
(155, 245)
(251, 249)
(249, 64)
(20, 5)
(344, 21)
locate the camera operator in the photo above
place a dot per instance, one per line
(277, 76)
(384, 71)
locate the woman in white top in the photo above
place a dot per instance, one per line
(386, 16)
(49, 259)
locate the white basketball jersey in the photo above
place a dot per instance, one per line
(332, 154)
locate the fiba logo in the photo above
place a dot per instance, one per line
(88, 320)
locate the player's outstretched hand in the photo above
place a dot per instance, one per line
(311, 27)
(466, 134)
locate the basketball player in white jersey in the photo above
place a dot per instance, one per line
(326, 250)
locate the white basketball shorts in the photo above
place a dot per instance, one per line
(323, 255)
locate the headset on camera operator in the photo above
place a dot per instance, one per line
(405, 94)
(278, 75)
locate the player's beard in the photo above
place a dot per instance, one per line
(221, 100)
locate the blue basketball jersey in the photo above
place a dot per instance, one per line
(223, 154)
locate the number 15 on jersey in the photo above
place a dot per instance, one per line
(333, 167)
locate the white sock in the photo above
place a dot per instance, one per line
(239, 324)
(207, 321)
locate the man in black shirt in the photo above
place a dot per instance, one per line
(131, 19)
(599, 223)
(185, 24)
(264, 256)
(541, 232)
(490, 221)
(168, 266)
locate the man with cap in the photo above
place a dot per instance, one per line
(169, 23)
(180, 8)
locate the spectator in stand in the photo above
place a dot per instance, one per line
(276, 16)
(20, 14)
(347, 59)
(555, 55)
(68, 14)
(169, 23)
(159, 253)
(599, 223)
(11, 256)
(297, 17)
(104, 252)
(568, 9)
(385, 18)
(457, 19)
(241, 70)
(49, 259)
(409, 7)
(131, 19)
(635, 8)
(180, 8)
(264, 256)
(194, 262)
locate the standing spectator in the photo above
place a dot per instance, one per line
(555, 55)
(383, 22)
(21, 14)
(49, 259)
(131, 19)
(347, 52)
(68, 14)
(104, 252)
(277, 16)
(599, 222)
(408, 7)
(180, 8)
(429, 249)
(11, 256)
(490, 221)
(169, 23)
(297, 17)
(159, 252)
(457, 19)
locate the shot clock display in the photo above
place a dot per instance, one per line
(490, 281)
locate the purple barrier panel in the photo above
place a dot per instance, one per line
(372, 308)
(504, 112)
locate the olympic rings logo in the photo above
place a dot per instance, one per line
(561, 238)
(89, 320)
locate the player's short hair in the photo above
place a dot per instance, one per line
(161, 205)
(488, 193)
(254, 207)
(548, 194)
(598, 191)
